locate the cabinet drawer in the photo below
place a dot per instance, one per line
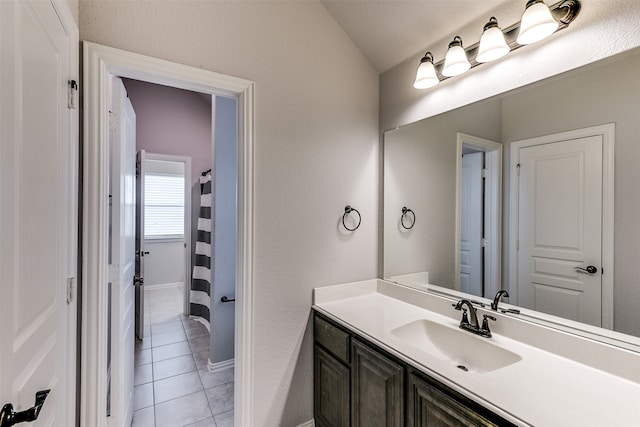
(429, 406)
(332, 338)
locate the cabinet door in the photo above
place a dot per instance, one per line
(331, 391)
(377, 389)
(428, 406)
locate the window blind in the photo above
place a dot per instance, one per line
(163, 206)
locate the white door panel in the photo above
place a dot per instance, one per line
(560, 228)
(471, 219)
(123, 182)
(37, 217)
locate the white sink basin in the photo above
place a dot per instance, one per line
(467, 351)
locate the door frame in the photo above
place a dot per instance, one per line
(607, 132)
(493, 204)
(99, 62)
(186, 160)
(74, 307)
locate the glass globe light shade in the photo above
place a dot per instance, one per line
(492, 43)
(456, 61)
(537, 23)
(426, 76)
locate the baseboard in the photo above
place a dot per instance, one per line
(310, 423)
(163, 286)
(219, 366)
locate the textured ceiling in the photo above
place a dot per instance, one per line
(390, 31)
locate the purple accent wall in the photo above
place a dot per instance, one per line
(173, 121)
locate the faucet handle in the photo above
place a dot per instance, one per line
(465, 318)
(485, 322)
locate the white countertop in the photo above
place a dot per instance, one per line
(542, 389)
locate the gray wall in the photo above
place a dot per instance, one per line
(225, 212)
(316, 150)
(420, 172)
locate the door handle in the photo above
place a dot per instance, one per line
(591, 269)
(9, 417)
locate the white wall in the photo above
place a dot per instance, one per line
(165, 262)
(316, 150)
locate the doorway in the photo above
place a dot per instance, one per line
(561, 232)
(176, 352)
(479, 217)
(163, 239)
(99, 63)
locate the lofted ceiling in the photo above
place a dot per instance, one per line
(390, 31)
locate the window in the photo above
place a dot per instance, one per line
(163, 206)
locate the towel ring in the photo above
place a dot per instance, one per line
(406, 211)
(347, 210)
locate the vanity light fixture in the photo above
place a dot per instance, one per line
(538, 22)
(456, 62)
(492, 43)
(426, 76)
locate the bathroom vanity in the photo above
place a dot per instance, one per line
(388, 354)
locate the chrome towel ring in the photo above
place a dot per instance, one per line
(347, 210)
(411, 214)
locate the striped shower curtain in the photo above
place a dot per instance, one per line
(200, 296)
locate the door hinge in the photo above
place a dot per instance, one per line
(114, 121)
(71, 286)
(114, 272)
(518, 245)
(485, 242)
(518, 169)
(72, 101)
(485, 172)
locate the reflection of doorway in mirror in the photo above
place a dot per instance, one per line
(560, 202)
(478, 212)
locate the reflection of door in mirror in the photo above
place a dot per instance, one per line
(471, 222)
(478, 212)
(559, 197)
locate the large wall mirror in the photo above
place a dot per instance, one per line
(535, 191)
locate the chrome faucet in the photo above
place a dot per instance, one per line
(496, 299)
(473, 326)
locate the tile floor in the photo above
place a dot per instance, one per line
(173, 386)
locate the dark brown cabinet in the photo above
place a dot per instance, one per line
(331, 390)
(357, 384)
(429, 406)
(377, 389)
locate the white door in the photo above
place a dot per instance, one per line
(471, 220)
(123, 231)
(560, 228)
(140, 252)
(38, 211)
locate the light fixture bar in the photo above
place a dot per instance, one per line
(564, 12)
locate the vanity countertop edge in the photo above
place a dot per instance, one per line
(544, 388)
